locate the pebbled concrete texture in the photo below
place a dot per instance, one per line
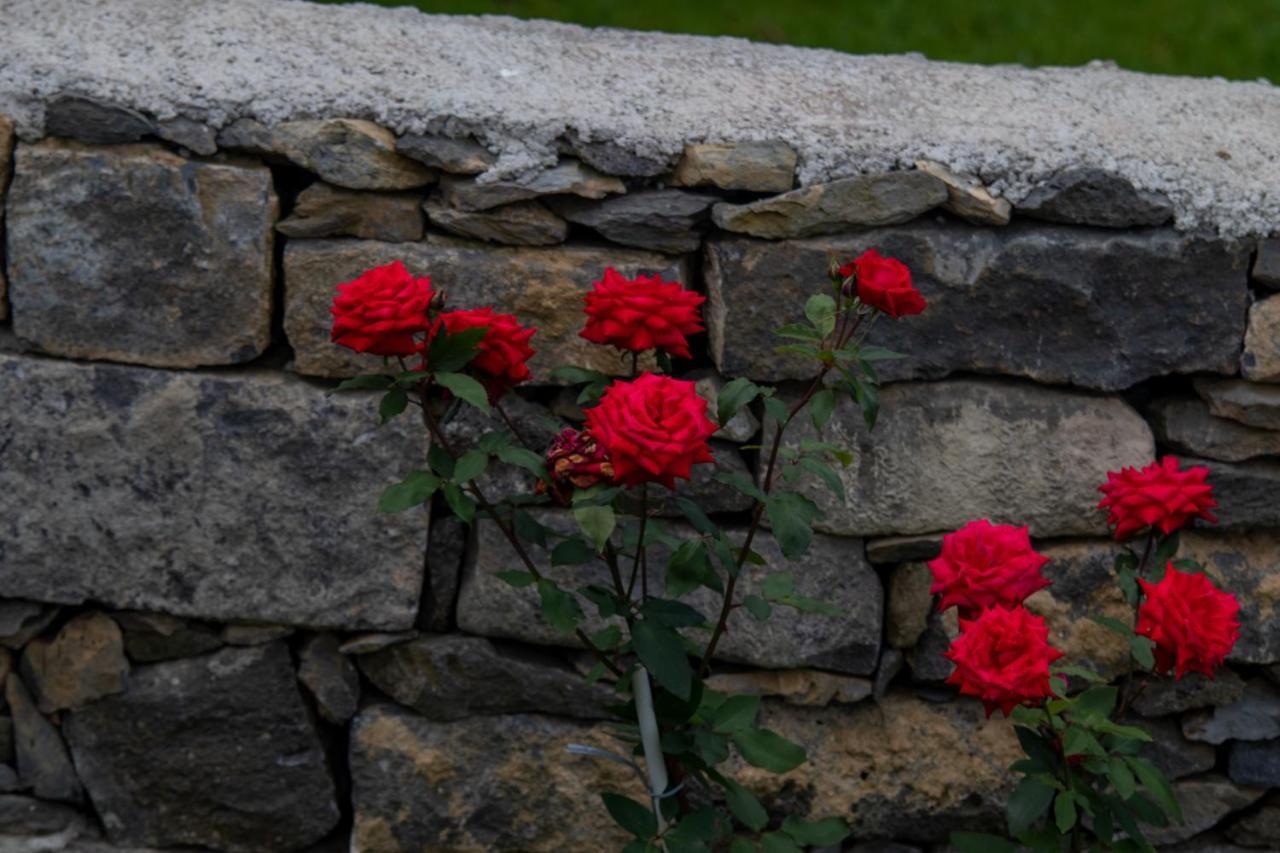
(1208, 144)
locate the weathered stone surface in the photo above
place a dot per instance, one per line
(945, 453)
(661, 220)
(1205, 801)
(84, 662)
(323, 210)
(1255, 763)
(1090, 196)
(446, 549)
(459, 156)
(714, 496)
(908, 605)
(1246, 492)
(892, 662)
(569, 177)
(521, 223)
(808, 687)
(926, 659)
(1260, 361)
(1254, 716)
(136, 254)
(253, 634)
(866, 201)
(195, 136)
(43, 762)
(992, 294)
(150, 637)
(331, 678)
(765, 167)
(1245, 563)
(1266, 267)
(1249, 403)
(614, 159)
(450, 677)
(743, 426)
(1185, 424)
(543, 287)
(7, 753)
(28, 825)
(215, 751)
(967, 197)
(22, 620)
(351, 153)
(484, 783)
(6, 159)
(245, 496)
(365, 644)
(1172, 753)
(1172, 696)
(901, 549)
(90, 120)
(1260, 828)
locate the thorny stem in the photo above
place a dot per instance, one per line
(1127, 694)
(635, 567)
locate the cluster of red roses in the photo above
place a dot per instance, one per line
(986, 571)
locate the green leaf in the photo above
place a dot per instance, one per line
(516, 579)
(735, 714)
(572, 552)
(673, 614)
(757, 607)
(470, 465)
(1064, 811)
(1166, 548)
(463, 507)
(696, 516)
(981, 842)
(1111, 728)
(776, 842)
(798, 332)
(878, 354)
(448, 352)
(825, 473)
(417, 488)
(631, 816)
(768, 750)
(559, 608)
(377, 382)
(818, 833)
(1079, 672)
(440, 461)
(776, 409)
(777, 585)
(1078, 741)
(607, 638)
(393, 403)
(1040, 748)
(523, 458)
(735, 394)
(1121, 777)
(820, 310)
(1142, 649)
(492, 442)
(1113, 624)
(742, 483)
(804, 604)
(529, 528)
(597, 522)
(662, 653)
(465, 388)
(791, 516)
(1095, 702)
(711, 748)
(1157, 785)
(867, 397)
(742, 845)
(689, 567)
(604, 599)
(743, 804)
(821, 406)
(1027, 804)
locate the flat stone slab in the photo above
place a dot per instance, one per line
(543, 287)
(991, 293)
(323, 210)
(135, 254)
(1260, 361)
(1187, 426)
(1251, 403)
(1091, 196)
(766, 167)
(223, 496)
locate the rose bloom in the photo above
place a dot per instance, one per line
(642, 314)
(381, 311)
(1160, 496)
(986, 565)
(575, 461)
(1193, 623)
(885, 283)
(1002, 657)
(501, 354)
(654, 429)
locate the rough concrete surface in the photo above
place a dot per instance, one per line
(1207, 144)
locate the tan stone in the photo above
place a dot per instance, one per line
(1260, 361)
(567, 177)
(794, 686)
(6, 160)
(323, 210)
(767, 167)
(967, 197)
(521, 223)
(909, 602)
(351, 153)
(84, 662)
(1252, 403)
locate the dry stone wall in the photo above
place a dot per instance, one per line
(209, 639)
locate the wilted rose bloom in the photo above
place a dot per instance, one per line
(382, 311)
(501, 355)
(1160, 496)
(575, 461)
(1003, 658)
(1193, 624)
(654, 429)
(885, 283)
(641, 314)
(986, 565)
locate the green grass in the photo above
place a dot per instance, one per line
(1239, 39)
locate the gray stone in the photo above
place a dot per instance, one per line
(991, 293)
(253, 635)
(1254, 716)
(1266, 266)
(702, 487)
(1205, 801)
(805, 687)
(7, 753)
(945, 453)
(1185, 424)
(1170, 752)
(928, 665)
(90, 120)
(661, 220)
(449, 677)
(908, 604)
(195, 136)
(1260, 361)
(1254, 763)
(221, 496)
(967, 197)
(543, 287)
(323, 211)
(483, 783)
(9, 781)
(365, 644)
(215, 751)
(446, 550)
(150, 637)
(743, 426)
(765, 167)
(331, 677)
(459, 156)
(1168, 695)
(1244, 562)
(136, 254)
(1246, 492)
(1091, 196)
(43, 762)
(1250, 403)
(569, 177)
(20, 621)
(614, 159)
(6, 159)
(891, 663)
(55, 824)
(902, 549)
(522, 223)
(864, 201)
(83, 663)
(1259, 828)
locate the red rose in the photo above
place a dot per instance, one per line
(502, 352)
(1003, 658)
(1158, 496)
(642, 314)
(885, 283)
(984, 565)
(654, 429)
(1191, 621)
(575, 461)
(381, 311)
